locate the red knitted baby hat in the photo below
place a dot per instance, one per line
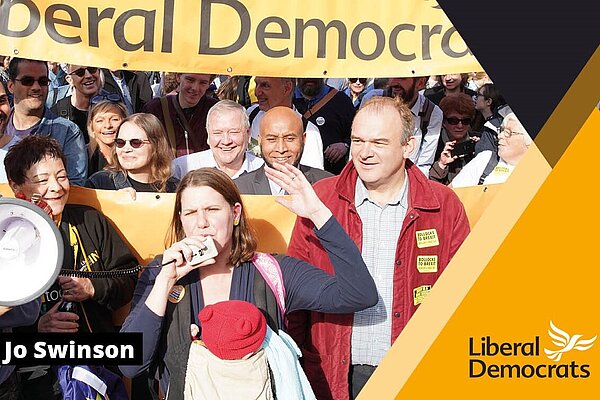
(232, 329)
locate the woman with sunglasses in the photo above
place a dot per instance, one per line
(456, 146)
(167, 300)
(356, 91)
(141, 159)
(103, 123)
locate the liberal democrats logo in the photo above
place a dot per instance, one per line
(492, 358)
(566, 343)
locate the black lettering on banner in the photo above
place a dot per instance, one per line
(94, 20)
(50, 21)
(379, 43)
(446, 45)
(428, 32)
(169, 14)
(262, 34)
(205, 21)
(149, 21)
(71, 348)
(321, 37)
(394, 42)
(34, 18)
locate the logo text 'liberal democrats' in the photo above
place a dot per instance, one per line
(492, 359)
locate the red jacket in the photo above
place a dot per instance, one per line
(325, 339)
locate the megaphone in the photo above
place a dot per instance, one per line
(31, 251)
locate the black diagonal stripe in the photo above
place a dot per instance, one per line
(532, 49)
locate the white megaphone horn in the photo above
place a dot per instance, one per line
(31, 251)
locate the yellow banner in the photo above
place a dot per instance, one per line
(250, 37)
(143, 222)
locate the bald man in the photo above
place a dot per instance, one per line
(281, 139)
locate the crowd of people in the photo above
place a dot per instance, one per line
(368, 165)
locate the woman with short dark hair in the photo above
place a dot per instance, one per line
(35, 167)
(456, 146)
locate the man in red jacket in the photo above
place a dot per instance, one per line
(407, 227)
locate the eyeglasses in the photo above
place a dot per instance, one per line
(112, 97)
(455, 121)
(80, 72)
(135, 143)
(30, 80)
(508, 133)
(481, 95)
(361, 80)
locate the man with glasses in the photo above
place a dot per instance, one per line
(228, 135)
(456, 146)
(85, 83)
(28, 82)
(6, 139)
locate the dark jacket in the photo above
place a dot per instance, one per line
(138, 84)
(445, 175)
(105, 251)
(325, 339)
(256, 182)
(167, 338)
(186, 142)
(334, 121)
(437, 93)
(115, 180)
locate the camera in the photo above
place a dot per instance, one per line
(463, 149)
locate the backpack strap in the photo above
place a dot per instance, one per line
(270, 270)
(489, 167)
(169, 124)
(320, 103)
(425, 115)
(265, 301)
(253, 114)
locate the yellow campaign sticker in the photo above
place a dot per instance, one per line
(501, 170)
(419, 293)
(427, 238)
(427, 264)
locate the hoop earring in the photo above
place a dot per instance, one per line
(236, 222)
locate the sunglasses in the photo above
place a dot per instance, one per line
(112, 97)
(30, 80)
(81, 71)
(455, 121)
(135, 143)
(361, 80)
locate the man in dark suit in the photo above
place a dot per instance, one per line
(132, 86)
(281, 140)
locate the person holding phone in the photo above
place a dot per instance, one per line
(456, 146)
